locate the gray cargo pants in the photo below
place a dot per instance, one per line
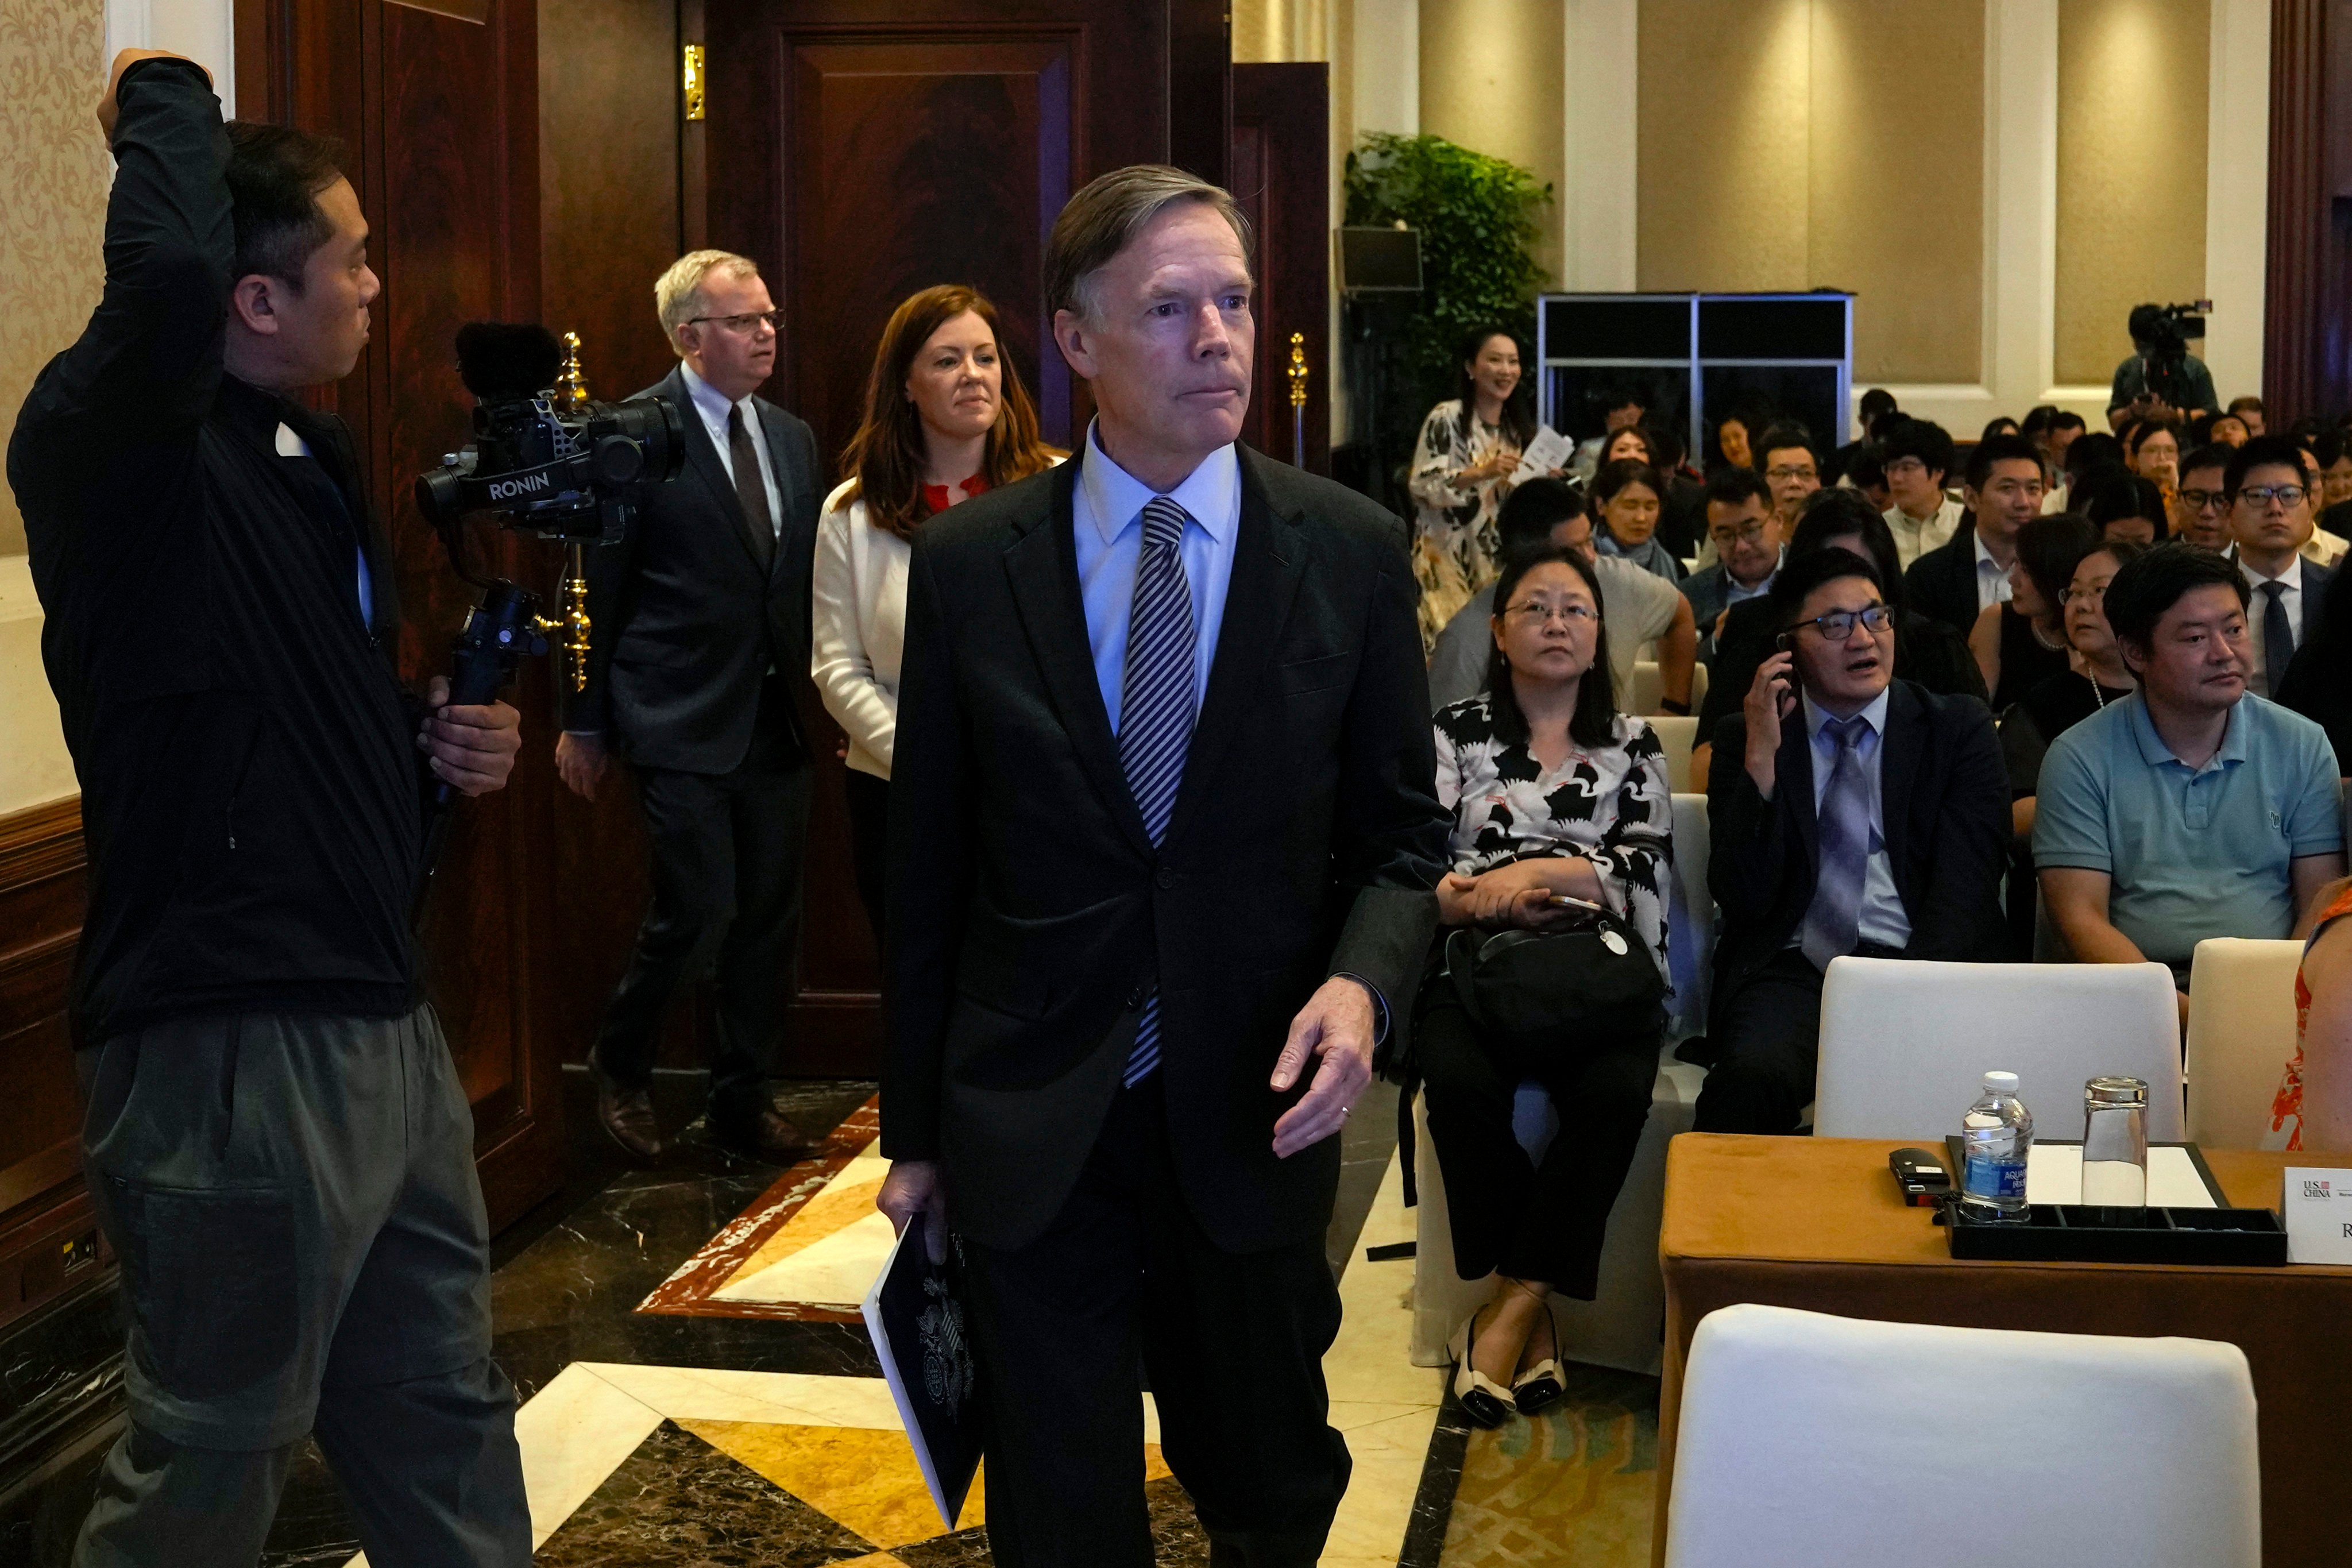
(304, 1252)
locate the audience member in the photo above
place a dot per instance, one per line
(1643, 605)
(2270, 518)
(1625, 408)
(1959, 580)
(2091, 451)
(1999, 424)
(2318, 683)
(2218, 429)
(1875, 404)
(2201, 507)
(2152, 450)
(946, 418)
(1865, 473)
(2188, 809)
(2022, 642)
(1927, 651)
(1626, 497)
(2055, 706)
(1681, 515)
(1748, 541)
(1555, 796)
(2248, 410)
(1469, 445)
(1732, 441)
(1631, 443)
(2331, 454)
(2314, 1105)
(2121, 506)
(1851, 813)
(1785, 456)
(1916, 455)
(2053, 430)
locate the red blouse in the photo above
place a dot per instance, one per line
(936, 496)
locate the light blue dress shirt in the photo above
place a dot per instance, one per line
(1883, 919)
(1107, 516)
(712, 405)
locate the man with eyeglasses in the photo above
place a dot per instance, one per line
(2188, 809)
(1970, 574)
(2268, 483)
(1748, 537)
(2201, 507)
(1915, 454)
(1792, 469)
(701, 630)
(1852, 814)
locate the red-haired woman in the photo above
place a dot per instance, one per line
(946, 418)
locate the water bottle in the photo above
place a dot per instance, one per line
(1995, 1137)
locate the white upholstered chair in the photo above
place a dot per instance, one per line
(2241, 1031)
(1811, 1441)
(1647, 685)
(1905, 1043)
(1677, 733)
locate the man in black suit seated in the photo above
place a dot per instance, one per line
(1926, 650)
(1959, 580)
(1164, 838)
(701, 630)
(1851, 813)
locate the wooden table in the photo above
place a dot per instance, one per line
(1814, 1222)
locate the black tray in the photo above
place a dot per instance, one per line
(2070, 1233)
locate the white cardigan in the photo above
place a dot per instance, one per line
(857, 628)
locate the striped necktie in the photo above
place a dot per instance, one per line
(1832, 924)
(1155, 709)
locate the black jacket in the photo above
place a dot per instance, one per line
(1029, 912)
(1942, 581)
(684, 625)
(1944, 797)
(250, 786)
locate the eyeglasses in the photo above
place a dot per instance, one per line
(1838, 625)
(1906, 466)
(2204, 500)
(746, 324)
(1573, 614)
(1784, 473)
(1747, 533)
(2095, 593)
(2262, 495)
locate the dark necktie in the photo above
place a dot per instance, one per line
(1155, 709)
(748, 490)
(2278, 637)
(1833, 924)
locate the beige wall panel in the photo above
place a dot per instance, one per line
(2132, 92)
(1723, 127)
(53, 180)
(1491, 81)
(1897, 181)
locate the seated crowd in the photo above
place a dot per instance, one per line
(2068, 695)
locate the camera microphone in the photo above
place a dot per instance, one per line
(503, 361)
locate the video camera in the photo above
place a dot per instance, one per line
(2162, 333)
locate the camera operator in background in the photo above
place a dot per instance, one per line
(2161, 379)
(278, 1142)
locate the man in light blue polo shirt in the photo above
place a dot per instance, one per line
(2191, 809)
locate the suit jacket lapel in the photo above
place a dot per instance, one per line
(1043, 568)
(702, 456)
(1898, 772)
(1269, 563)
(1795, 768)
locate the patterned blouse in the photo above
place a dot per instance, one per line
(2286, 1107)
(1456, 549)
(1611, 806)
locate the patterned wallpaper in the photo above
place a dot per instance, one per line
(54, 172)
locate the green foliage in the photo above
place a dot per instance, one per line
(1476, 217)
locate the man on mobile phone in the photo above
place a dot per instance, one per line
(1852, 814)
(278, 1142)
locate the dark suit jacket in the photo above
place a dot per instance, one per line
(1030, 913)
(685, 624)
(1943, 583)
(1945, 796)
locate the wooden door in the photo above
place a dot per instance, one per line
(438, 106)
(860, 150)
(1281, 175)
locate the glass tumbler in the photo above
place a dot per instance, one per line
(2115, 1143)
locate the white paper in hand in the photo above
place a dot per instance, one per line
(1549, 451)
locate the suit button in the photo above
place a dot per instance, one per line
(1135, 996)
(1167, 877)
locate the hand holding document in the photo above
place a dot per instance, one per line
(1549, 451)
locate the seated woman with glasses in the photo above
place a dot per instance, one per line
(1555, 796)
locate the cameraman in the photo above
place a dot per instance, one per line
(2139, 392)
(278, 1143)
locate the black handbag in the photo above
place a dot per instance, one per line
(1596, 978)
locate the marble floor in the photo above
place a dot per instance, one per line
(696, 1389)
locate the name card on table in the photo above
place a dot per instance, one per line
(2318, 1210)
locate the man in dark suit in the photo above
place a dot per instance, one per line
(1164, 842)
(1959, 580)
(2267, 533)
(1852, 814)
(702, 629)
